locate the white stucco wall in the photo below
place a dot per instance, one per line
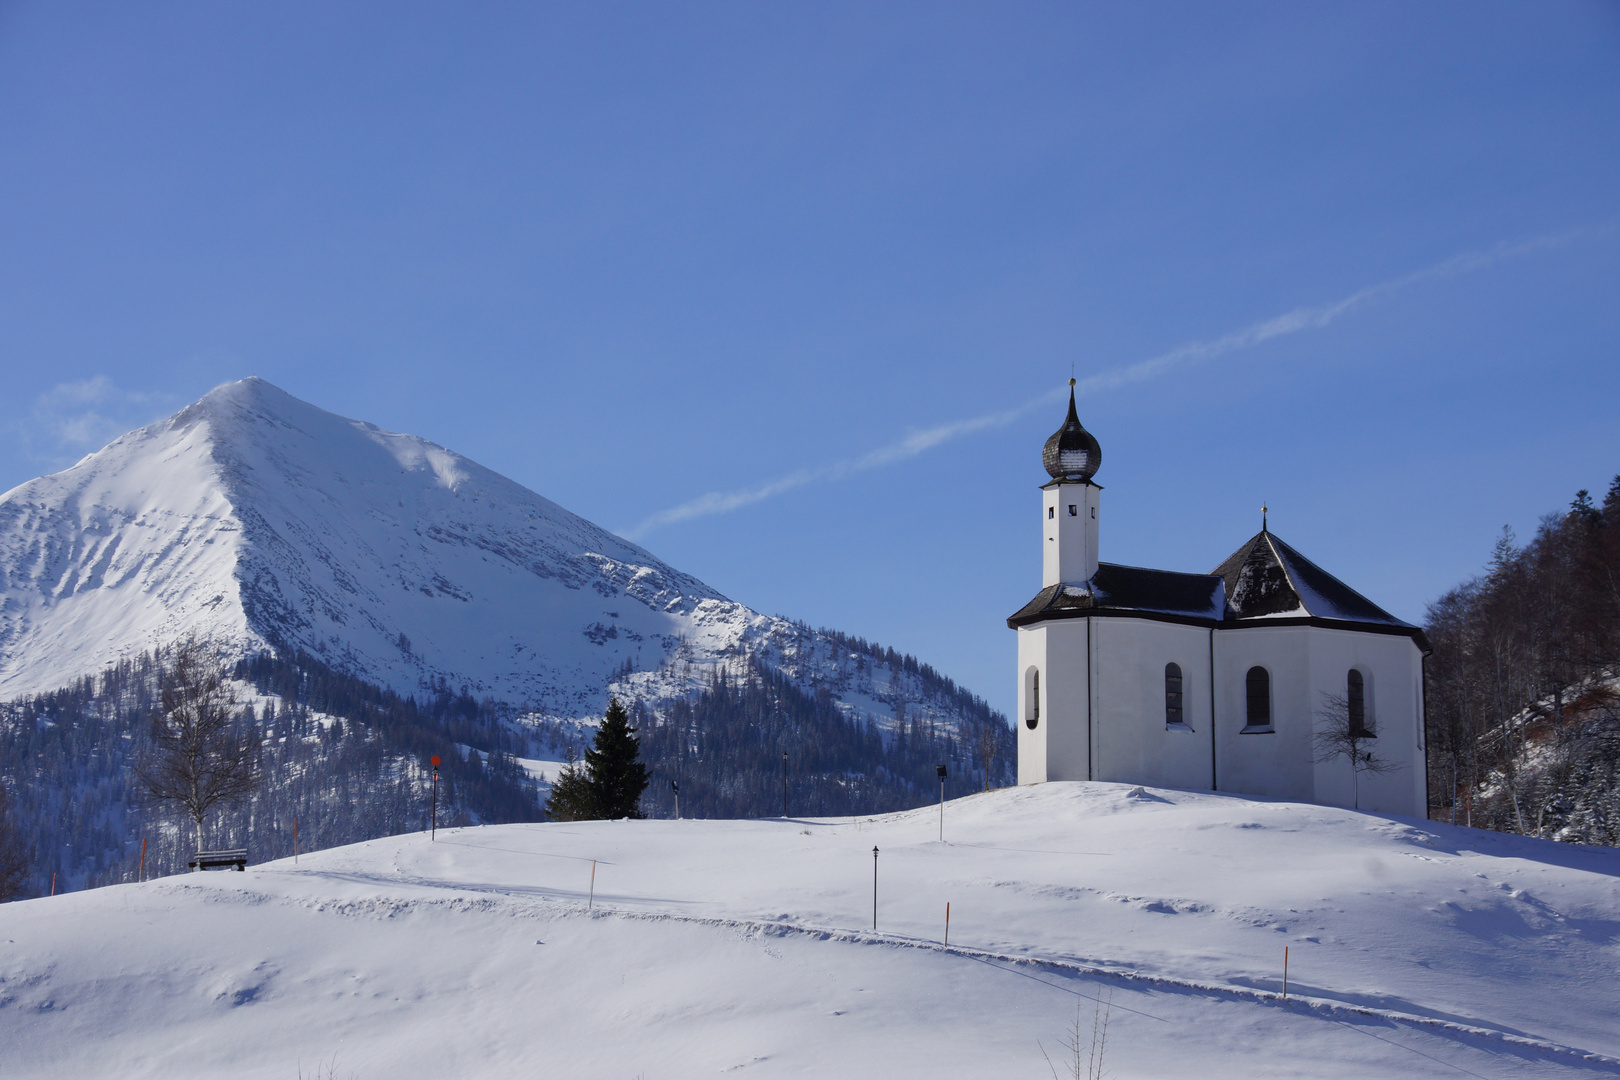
(1392, 670)
(1102, 711)
(1069, 541)
(1057, 749)
(1275, 762)
(1133, 743)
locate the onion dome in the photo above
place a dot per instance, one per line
(1072, 452)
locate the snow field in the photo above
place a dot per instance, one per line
(715, 947)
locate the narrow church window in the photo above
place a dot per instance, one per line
(1172, 694)
(1258, 685)
(1032, 693)
(1051, 511)
(1356, 698)
(1074, 511)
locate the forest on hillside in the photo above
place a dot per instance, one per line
(1523, 688)
(345, 759)
(349, 761)
(747, 740)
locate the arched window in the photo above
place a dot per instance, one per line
(1355, 696)
(1032, 699)
(1172, 694)
(1258, 685)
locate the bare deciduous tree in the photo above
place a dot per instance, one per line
(202, 756)
(13, 856)
(1341, 734)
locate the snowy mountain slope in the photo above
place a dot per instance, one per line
(259, 519)
(717, 947)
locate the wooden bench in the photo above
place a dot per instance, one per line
(220, 860)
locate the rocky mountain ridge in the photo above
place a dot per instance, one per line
(259, 520)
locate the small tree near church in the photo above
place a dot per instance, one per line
(1343, 732)
(613, 778)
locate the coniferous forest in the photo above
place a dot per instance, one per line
(348, 761)
(725, 749)
(1523, 713)
(344, 758)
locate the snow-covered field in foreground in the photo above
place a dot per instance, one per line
(720, 947)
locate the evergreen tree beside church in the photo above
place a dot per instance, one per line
(612, 779)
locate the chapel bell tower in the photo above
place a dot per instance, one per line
(1069, 502)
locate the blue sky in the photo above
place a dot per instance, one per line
(790, 292)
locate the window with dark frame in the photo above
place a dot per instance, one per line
(1051, 511)
(1355, 696)
(1034, 700)
(1258, 685)
(1074, 511)
(1172, 694)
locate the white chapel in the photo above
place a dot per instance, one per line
(1209, 681)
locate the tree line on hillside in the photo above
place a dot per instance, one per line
(159, 749)
(344, 758)
(1523, 714)
(724, 748)
(933, 683)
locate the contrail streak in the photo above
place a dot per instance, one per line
(917, 442)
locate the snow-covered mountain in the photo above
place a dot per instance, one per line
(255, 518)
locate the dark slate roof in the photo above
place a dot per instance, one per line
(1129, 590)
(1266, 580)
(1072, 453)
(1264, 583)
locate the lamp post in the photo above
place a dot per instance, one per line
(941, 770)
(874, 886)
(433, 831)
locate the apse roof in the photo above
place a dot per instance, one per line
(1267, 579)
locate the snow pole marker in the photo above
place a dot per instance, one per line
(143, 858)
(947, 924)
(295, 841)
(591, 903)
(1285, 973)
(53, 885)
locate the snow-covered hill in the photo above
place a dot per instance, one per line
(255, 518)
(712, 948)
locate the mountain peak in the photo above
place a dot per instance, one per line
(261, 519)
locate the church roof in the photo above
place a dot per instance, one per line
(1263, 583)
(1129, 590)
(1267, 579)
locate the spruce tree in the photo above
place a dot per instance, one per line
(572, 796)
(613, 762)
